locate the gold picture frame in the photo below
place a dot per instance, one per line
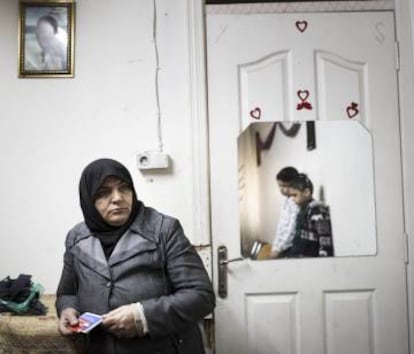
(46, 38)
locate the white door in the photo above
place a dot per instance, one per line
(296, 67)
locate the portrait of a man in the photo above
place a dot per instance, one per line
(46, 39)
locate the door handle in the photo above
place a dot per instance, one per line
(224, 262)
(222, 269)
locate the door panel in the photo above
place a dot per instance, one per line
(352, 76)
(341, 67)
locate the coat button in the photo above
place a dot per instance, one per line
(180, 341)
(109, 284)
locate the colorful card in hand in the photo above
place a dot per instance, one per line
(87, 321)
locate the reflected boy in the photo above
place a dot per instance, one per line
(313, 236)
(285, 230)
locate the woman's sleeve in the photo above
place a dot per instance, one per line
(192, 295)
(67, 288)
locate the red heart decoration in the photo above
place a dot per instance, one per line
(352, 110)
(256, 113)
(302, 25)
(303, 95)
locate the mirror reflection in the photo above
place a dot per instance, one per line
(306, 190)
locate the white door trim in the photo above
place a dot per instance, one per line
(404, 13)
(198, 111)
(305, 6)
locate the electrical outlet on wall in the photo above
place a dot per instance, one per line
(152, 160)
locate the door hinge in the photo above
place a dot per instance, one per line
(397, 55)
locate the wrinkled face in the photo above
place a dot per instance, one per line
(300, 197)
(113, 200)
(284, 188)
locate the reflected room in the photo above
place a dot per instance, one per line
(337, 157)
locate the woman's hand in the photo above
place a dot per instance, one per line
(124, 321)
(68, 318)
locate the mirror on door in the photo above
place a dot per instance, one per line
(306, 190)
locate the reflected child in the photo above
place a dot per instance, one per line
(286, 225)
(313, 236)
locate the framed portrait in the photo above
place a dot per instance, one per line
(46, 38)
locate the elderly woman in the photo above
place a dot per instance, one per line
(135, 267)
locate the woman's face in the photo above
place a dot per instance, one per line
(113, 200)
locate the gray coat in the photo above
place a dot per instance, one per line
(153, 263)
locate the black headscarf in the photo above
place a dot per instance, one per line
(91, 179)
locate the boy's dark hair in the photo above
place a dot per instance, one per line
(287, 174)
(302, 182)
